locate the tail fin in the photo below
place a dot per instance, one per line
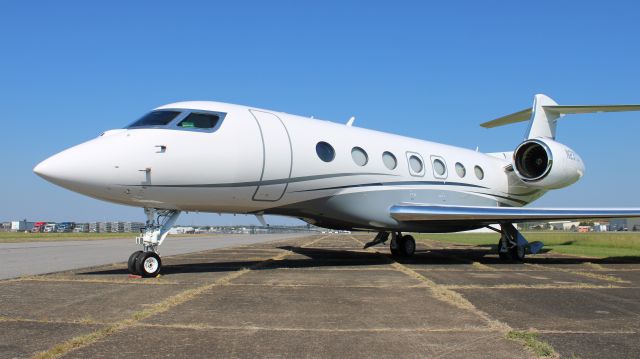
(545, 113)
(543, 122)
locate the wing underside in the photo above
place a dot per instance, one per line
(490, 215)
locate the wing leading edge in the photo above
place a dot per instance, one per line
(490, 215)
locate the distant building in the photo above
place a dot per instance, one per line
(94, 227)
(624, 224)
(182, 230)
(117, 227)
(564, 225)
(600, 226)
(21, 226)
(104, 227)
(584, 229)
(133, 227)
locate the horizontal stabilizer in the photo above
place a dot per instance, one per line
(545, 112)
(519, 116)
(570, 110)
(491, 215)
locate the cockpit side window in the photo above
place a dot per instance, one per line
(155, 119)
(200, 120)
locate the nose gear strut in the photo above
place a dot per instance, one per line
(146, 262)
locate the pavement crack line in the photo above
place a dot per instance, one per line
(444, 294)
(300, 285)
(84, 340)
(604, 277)
(151, 281)
(85, 321)
(456, 299)
(533, 286)
(199, 326)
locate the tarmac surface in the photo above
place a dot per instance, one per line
(30, 258)
(324, 296)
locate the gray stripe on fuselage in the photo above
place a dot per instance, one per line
(262, 183)
(503, 197)
(396, 183)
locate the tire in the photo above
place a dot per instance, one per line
(518, 253)
(148, 264)
(408, 246)
(131, 265)
(394, 246)
(504, 256)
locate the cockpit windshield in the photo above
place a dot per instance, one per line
(178, 119)
(155, 119)
(199, 120)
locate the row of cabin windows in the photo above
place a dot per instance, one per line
(327, 154)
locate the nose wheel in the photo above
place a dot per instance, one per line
(144, 264)
(147, 262)
(131, 265)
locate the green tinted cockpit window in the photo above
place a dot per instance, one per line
(155, 119)
(199, 120)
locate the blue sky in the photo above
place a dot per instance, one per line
(433, 70)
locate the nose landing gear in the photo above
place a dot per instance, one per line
(147, 262)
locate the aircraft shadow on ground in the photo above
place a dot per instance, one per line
(318, 257)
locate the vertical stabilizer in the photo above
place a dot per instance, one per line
(543, 122)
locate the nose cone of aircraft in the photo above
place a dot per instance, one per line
(55, 169)
(46, 169)
(68, 169)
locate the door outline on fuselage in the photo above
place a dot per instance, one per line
(255, 115)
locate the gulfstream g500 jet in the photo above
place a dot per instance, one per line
(218, 157)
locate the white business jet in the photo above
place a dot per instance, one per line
(224, 158)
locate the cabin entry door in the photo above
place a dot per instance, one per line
(277, 157)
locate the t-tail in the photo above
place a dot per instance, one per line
(545, 113)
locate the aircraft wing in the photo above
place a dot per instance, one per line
(488, 215)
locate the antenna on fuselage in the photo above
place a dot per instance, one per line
(351, 120)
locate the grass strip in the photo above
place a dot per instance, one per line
(530, 340)
(593, 244)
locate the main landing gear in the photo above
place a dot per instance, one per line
(147, 262)
(404, 246)
(512, 245)
(400, 245)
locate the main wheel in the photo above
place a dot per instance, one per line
(518, 253)
(504, 256)
(407, 246)
(148, 264)
(131, 265)
(394, 246)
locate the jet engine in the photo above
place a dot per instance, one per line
(547, 164)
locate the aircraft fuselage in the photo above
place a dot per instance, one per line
(260, 161)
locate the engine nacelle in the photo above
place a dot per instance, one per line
(544, 163)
